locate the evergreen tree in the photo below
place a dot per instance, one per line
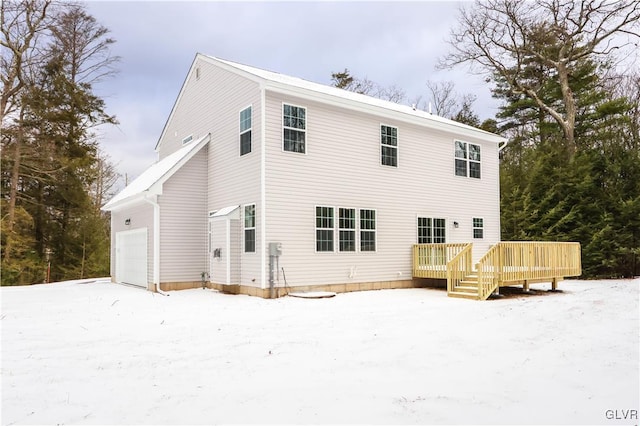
(58, 177)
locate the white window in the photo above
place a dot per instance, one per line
(431, 230)
(250, 228)
(389, 145)
(478, 227)
(245, 131)
(467, 161)
(324, 228)
(294, 125)
(347, 229)
(367, 230)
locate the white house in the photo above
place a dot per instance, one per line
(267, 183)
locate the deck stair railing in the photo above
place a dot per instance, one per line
(459, 269)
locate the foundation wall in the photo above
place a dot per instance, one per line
(283, 291)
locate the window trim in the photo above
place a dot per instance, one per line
(422, 216)
(360, 230)
(250, 228)
(474, 228)
(306, 119)
(241, 132)
(315, 228)
(467, 159)
(396, 147)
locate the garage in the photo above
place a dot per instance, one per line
(131, 257)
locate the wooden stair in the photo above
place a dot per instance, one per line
(467, 288)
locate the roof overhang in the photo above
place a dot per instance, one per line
(149, 183)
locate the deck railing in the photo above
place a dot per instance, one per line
(520, 261)
(430, 260)
(507, 262)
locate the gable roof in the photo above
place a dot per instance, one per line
(282, 83)
(151, 180)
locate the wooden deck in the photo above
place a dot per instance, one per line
(507, 263)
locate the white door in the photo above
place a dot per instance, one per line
(131, 257)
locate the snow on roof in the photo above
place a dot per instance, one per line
(350, 96)
(154, 174)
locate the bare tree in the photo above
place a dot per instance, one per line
(22, 22)
(344, 80)
(503, 36)
(22, 25)
(443, 98)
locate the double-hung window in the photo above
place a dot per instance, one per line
(367, 230)
(347, 225)
(431, 230)
(250, 228)
(467, 161)
(245, 131)
(294, 125)
(389, 145)
(478, 227)
(350, 223)
(324, 228)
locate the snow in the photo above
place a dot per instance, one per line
(92, 352)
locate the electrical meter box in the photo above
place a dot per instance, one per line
(275, 249)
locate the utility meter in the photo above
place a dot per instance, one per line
(275, 249)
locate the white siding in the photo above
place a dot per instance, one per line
(212, 104)
(141, 216)
(183, 222)
(341, 168)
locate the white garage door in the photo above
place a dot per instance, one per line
(131, 257)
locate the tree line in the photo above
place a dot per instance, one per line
(567, 77)
(569, 107)
(54, 178)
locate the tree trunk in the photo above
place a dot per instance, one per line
(13, 190)
(569, 123)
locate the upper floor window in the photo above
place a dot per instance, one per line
(431, 230)
(250, 228)
(245, 131)
(294, 123)
(478, 227)
(389, 145)
(467, 159)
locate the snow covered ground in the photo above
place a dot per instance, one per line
(101, 353)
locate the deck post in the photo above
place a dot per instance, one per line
(554, 284)
(526, 286)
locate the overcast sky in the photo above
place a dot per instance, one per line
(391, 43)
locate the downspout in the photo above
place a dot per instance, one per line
(156, 243)
(500, 148)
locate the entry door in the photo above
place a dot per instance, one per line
(218, 252)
